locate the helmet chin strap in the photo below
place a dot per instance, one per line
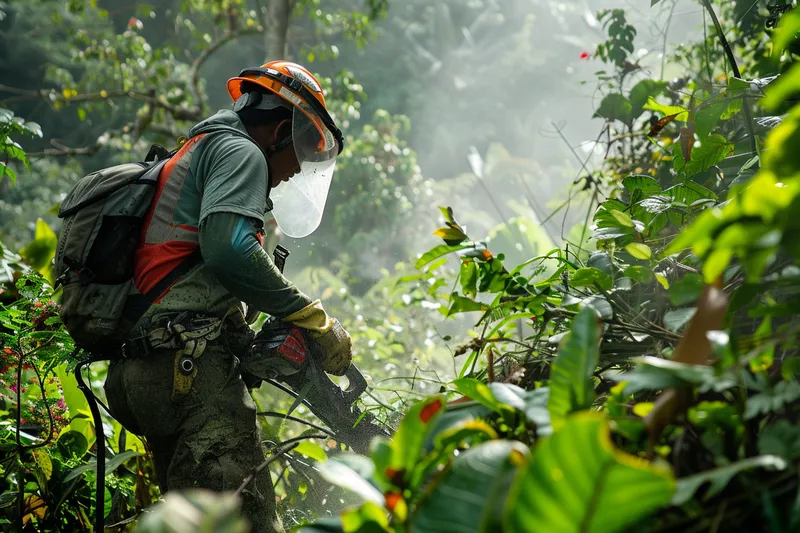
(270, 206)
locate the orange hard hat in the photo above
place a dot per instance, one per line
(299, 88)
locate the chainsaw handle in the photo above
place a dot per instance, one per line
(356, 383)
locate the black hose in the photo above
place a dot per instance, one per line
(100, 487)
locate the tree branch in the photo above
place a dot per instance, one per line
(229, 35)
(249, 479)
(66, 151)
(51, 96)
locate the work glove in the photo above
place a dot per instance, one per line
(333, 340)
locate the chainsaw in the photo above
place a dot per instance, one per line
(286, 357)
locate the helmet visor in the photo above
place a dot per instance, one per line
(300, 202)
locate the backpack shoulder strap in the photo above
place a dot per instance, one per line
(138, 304)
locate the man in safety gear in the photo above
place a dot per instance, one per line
(179, 383)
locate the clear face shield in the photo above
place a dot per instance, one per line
(300, 202)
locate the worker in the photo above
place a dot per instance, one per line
(179, 383)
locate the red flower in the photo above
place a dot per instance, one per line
(392, 499)
(585, 55)
(429, 410)
(135, 23)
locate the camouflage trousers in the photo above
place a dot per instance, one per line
(205, 437)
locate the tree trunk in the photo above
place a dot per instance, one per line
(276, 29)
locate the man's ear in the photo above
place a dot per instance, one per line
(282, 131)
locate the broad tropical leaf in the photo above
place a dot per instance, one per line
(571, 374)
(576, 481)
(470, 494)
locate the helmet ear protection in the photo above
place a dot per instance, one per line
(259, 100)
(251, 99)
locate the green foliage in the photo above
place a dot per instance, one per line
(576, 481)
(579, 409)
(620, 37)
(571, 387)
(677, 183)
(11, 150)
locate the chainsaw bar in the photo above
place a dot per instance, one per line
(334, 406)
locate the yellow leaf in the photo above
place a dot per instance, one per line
(311, 450)
(662, 280)
(642, 409)
(34, 506)
(104, 93)
(450, 234)
(622, 218)
(44, 463)
(639, 250)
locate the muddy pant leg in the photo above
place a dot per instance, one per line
(208, 438)
(139, 393)
(219, 442)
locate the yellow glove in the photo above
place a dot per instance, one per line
(328, 333)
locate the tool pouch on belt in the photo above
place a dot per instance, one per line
(190, 335)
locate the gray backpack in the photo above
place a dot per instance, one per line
(103, 216)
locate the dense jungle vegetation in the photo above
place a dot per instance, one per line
(597, 337)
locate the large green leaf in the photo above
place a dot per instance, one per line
(686, 290)
(368, 518)
(469, 279)
(576, 481)
(72, 444)
(639, 250)
(667, 110)
(654, 373)
(571, 374)
(455, 416)
(675, 319)
(641, 92)
(437, 252)
(76, 403)
(719, 477)
(468, 497)
(111, 465)
(39, 253)
(462, 304)
(780, 438)
(591, 277)
(649, 186)
(339, 471)
(395, 459)
(711, 151)
(481, 393)
(615, 107)
(786, 32)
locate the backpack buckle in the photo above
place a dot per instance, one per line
(136, 347)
